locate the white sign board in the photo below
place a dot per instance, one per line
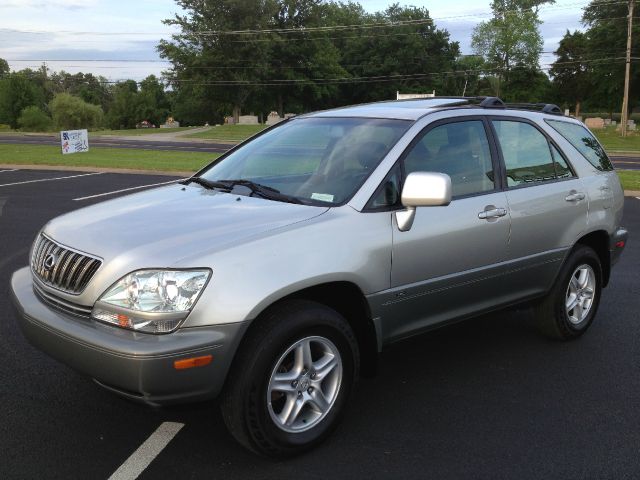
(74, 141)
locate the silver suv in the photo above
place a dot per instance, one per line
(275, 275)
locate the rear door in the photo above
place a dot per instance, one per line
(546, 200)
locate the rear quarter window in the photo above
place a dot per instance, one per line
(584, 141)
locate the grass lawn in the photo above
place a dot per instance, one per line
(612, 141)
(630, 179)
(139, 131)
(229, 133)
(105, 157)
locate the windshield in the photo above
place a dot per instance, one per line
(317, 161)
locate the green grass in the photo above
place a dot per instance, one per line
(140, 131)
(612, 141)
(630, 179)
(229, 133)
(105, 157)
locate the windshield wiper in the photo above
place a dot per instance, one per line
(263, 190)
(205, 183)
(255, 188)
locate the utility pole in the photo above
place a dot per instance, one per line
(625, 100)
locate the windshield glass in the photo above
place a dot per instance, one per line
(318, 161)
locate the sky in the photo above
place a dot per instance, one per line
(117, 38)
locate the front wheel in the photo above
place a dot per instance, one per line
(291, 379)
(571, 305)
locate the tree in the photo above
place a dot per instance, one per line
(197, 57)
(17, 92)
(152, 102)
(606, 34)
(4, 68)
(511, 37)
(123, 110)
(70, 112)
(571, 71)
(33, 119)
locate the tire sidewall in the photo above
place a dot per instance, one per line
(318, 321)
(580, 256)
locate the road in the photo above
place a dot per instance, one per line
(119, 142)
(487, 398)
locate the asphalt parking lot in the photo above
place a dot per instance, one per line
(487, 398)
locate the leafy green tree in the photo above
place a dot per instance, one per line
(606, 34)
(90, 88)
(571, 72)
(123, 110)
(4, 68)
(33, 119)
(197, 57)
(407, 58)
(526, 85)
(17, 92)
(511, 37)
(152, 101)
(71, 112)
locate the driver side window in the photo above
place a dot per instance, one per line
(459, 149)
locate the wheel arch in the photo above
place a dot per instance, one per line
(598, 240)
(347, 299)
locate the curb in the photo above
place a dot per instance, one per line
(632, 193)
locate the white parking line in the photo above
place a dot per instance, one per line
(50, 179)
(144, 455)
(124, 190)
(13, 170)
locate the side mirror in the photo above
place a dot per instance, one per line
(422, 189)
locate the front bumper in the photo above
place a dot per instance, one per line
(137, 365)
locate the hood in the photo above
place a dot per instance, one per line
(158, 227)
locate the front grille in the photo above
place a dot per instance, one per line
(61, 267)
(62, 305)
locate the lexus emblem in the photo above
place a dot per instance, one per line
(50, 261)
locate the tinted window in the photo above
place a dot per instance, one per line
(461, 150)
(562, 168)
(584, 142)
(526, 153)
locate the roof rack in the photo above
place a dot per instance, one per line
(496, 102)
(549, 108)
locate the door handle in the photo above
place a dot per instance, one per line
(574, 197)
(493, 213)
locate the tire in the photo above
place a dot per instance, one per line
(268, 377)
(579, 283)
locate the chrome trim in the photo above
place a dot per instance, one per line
(73, 270)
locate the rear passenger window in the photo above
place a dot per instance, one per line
(562, 169)
(584, 142)
(459, 149)
(526, 153)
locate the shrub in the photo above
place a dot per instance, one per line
(70, 112)
(32, 119)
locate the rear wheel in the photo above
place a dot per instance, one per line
(570, 307)
(291, 379)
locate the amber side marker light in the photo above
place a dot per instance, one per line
(192, 362)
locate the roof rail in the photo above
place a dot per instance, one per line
(491, 102)
(549, 108)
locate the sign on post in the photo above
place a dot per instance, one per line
(74, 141)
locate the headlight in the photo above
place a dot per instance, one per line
(153, 301)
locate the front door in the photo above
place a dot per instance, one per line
(448, 264)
